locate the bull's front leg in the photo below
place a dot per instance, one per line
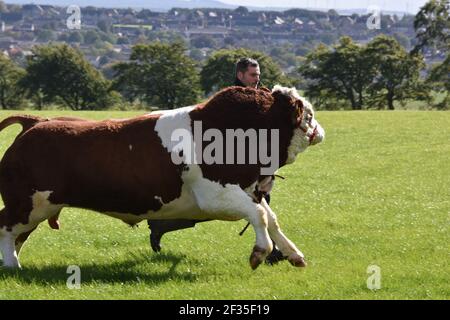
(232, 203)
(286, 246)
(263, 246)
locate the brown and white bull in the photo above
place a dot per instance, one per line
(125, 168)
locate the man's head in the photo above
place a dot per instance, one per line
(247, 71)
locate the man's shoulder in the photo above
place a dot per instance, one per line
(238, 83)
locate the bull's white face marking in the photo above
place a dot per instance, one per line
(299, 143)
(300, 139)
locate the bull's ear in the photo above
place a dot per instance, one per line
(298, 114)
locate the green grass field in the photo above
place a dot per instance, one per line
(376, 192)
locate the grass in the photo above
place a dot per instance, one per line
(376, 192)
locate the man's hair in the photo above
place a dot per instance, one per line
(243, 64)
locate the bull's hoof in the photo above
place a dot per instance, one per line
(297, 261)
(155, 241)
(53, 222)
(257, 257)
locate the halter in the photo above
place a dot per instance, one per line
(300, 120)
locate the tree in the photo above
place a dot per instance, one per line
(376, 74)
(432, 25)
(10, 74)
(160, 74)
(91, 37)
(45, 35)
(397, 72)
(229, 41)
(104, 25)
(404, 41)
(439, 80)
(107, 37)
(285, 55)
(123, 40)
(203, 42)
(75, 36)
(60, 73)
(333, 13)
(196, 54)
(342, 72)
(241, 10)
(219, 69)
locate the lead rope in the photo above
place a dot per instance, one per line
(248, 223)
(245, 228)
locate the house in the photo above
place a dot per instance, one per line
(27, 27)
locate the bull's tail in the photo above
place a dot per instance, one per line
(27, 121)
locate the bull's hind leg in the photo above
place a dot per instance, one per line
(286, 246)
(7, 247)
(7, 242)
(11, 242)
(17, 223)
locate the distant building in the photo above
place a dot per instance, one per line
(29, 27)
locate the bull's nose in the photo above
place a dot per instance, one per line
(320, 136)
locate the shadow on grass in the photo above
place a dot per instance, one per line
(130, 271)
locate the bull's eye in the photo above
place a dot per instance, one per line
(308, 118)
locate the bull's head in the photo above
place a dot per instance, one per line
(307, 131)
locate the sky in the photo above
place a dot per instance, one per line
(385, 5)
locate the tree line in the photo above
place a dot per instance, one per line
(373, 75)
(157, 74)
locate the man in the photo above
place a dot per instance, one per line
(247, 74)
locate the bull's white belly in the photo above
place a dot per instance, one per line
(200, 199)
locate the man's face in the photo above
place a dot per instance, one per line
(250, 78)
